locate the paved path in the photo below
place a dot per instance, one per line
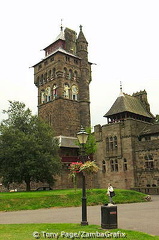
(142, 217)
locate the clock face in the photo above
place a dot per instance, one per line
(74, 89)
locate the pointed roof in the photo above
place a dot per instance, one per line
(81, 36)
(61, 35)
(127, 103)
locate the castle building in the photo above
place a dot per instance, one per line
(128, 145)
(63, 79)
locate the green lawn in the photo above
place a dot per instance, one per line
(65, 231)
(66, 198)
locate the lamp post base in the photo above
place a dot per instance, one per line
(84, 223)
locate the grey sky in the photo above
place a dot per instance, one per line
(123, 41)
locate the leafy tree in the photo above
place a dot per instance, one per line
(28, 149)
(90, 146)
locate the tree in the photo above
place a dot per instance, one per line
(28, 149)
(90, 146)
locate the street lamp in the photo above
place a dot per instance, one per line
(82, 138)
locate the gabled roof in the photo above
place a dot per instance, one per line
(127, 103)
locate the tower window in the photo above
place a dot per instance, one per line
(75, 61)
(66, 91)
(74, 92)
(42, 96)
(48, 94)
(70, 74)
(65, 72)
(37, 81)
(41, 79)
(53, 73)
(45, 77)
(49, 75)
(54, 91)
(39, 66)
(75, 75)
(67, 59)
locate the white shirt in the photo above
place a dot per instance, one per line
(110, 189)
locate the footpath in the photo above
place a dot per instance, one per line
(143, 217)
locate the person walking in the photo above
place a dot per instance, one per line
(110, 193)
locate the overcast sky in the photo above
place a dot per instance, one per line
(123, 37)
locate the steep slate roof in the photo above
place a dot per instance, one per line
(127, 103)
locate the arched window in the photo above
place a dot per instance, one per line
(74, 92)
(42, 96)
(48, 94)
(54, 91)
(75, 75)
(53, 73)
(41, 79)
(65, 73)
(37, 81)
(45, 77)
(49, 75)
(70, 74)
(66, 91)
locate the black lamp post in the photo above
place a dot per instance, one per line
(82, 138)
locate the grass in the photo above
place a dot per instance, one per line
(66, 198)
(26, 231)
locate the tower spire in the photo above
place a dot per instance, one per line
(80, 27)
(121, 90)
(61, 27)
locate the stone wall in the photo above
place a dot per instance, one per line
(123, 165)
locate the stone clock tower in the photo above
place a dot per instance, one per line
(63, 79)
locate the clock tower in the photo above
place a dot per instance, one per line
(62, 78)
